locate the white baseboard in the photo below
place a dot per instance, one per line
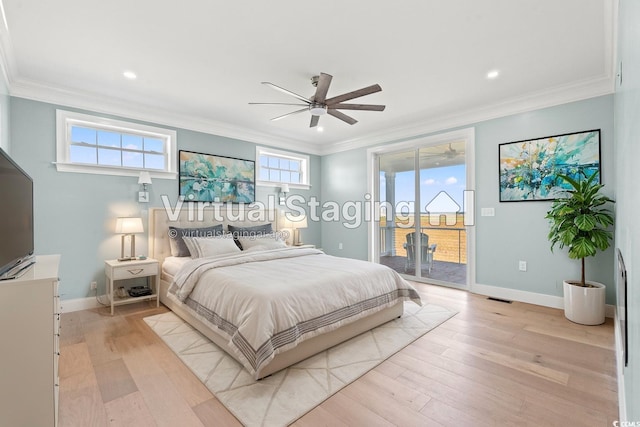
(552, 301)
(78, 304)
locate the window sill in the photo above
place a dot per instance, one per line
(279, 184)
(106, 170)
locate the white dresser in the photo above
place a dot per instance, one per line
(29, 333)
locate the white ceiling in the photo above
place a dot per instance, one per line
(200, 62)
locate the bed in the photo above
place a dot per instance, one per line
(270, 306)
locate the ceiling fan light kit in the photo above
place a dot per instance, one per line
(318, 105)
(317, 109)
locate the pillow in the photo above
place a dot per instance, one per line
(250, 231)
(261, 242)
(255, 230)
(178, 247)
(191, 246)
(202, 247)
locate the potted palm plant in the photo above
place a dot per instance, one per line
(582, 222)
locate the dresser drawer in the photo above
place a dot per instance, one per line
(134, 271)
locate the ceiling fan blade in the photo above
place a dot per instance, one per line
(290, 114)
(322, 88)
(367, 107)
(355, 94)
(314, 121)
(276, 103)
(337, 114)
(288, 92)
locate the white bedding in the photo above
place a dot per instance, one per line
(266, 302)
(172, 264)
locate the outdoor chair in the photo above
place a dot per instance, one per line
(427, 251)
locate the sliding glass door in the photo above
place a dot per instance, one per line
(421, 232)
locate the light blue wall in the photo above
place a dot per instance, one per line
(627, 114)
(518, 231)
(344, 179)
(75, 213)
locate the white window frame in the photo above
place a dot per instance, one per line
(304, 167)
(66, 119)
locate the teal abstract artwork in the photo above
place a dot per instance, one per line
(529, 169)
(209, 178)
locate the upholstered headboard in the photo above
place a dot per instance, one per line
(160, 220)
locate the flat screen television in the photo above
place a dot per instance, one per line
(16, 219)
(622, 307)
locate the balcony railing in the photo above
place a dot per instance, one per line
(451, 241)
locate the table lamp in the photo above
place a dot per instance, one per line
(298, 223)
(128, 227)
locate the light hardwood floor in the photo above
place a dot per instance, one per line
(492, 364)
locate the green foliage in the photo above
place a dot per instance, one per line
(581, 221)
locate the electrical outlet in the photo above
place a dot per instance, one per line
(339, 245)
(522, 265)
(94, 286)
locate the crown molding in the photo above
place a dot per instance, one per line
(4, 68)
(534, 101)
(23, 88)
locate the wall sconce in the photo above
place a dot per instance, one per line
(284, 189)
(128, 227)
(144, 179)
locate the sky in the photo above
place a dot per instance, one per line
(450, 179)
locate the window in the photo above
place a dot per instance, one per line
(93, 144)
(276, 167)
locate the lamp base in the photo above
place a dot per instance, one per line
(132, 255)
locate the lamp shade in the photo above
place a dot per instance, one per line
(144, 178)
(129, 226)
(299, 221)
(286, 222)
(284, 188)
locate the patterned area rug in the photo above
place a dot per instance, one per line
(285, 396)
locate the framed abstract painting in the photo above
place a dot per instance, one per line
(529, 169)
(209, 178)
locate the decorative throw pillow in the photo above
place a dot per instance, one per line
(202, 247)
(178, 247)
(249, 231)
(261, 242)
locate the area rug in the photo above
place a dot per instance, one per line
(287, 395)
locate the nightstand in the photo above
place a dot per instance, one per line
(122, 270)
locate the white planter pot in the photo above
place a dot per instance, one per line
(584, 305)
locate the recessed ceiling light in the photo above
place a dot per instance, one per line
(320, 129)
(130, 75)
(493, 74)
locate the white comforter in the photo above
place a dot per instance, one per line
(266, 302)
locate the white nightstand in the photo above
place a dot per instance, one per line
(121, 270)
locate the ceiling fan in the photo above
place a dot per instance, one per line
(318, 105)
(448, 153)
